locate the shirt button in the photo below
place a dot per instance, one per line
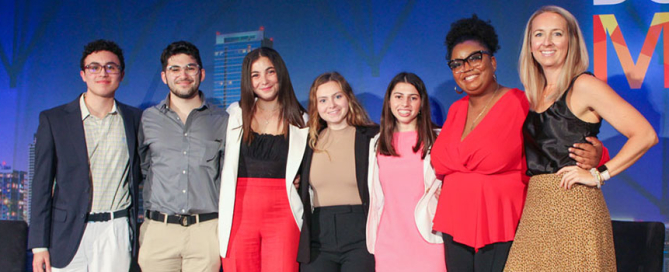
(183, 211)
(185, 152)
(184, 171)
(184, 191)
(186, 134)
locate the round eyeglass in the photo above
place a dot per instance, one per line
(191, 69)
(474, 60)
(96, 68)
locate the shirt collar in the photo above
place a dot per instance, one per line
(165, 104)
(84, 109)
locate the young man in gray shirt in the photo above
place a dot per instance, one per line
(181, 145)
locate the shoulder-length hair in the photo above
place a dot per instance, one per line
(532, 75)
(291, 110)
(357, 116)
(424, 125)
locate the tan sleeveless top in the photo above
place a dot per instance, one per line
(332, 176)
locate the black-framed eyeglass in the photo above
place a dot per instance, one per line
(474, 60)
(191, 69)
(96, 68)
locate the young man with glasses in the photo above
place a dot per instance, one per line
(181, 147)
(84, 192)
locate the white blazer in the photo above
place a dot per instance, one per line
(297, 142)
(425, 208)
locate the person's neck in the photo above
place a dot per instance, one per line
(183, 106)
(267, 106)
(98, 106)
(551, 76)
(340, 126)
(484, 98)
(402, 127)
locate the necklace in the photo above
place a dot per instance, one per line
(484, 108)
(266, 119)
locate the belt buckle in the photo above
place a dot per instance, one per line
(184, 220)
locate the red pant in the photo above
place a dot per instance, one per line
(264, 235)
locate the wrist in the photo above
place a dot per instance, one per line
(597, 177)
(604, 172)
(39, 249)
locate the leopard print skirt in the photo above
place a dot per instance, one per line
(562, 230)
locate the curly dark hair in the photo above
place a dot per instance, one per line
(102, 45)
(180, 47)
(472, 29)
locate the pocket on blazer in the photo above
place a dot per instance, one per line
(59, 215)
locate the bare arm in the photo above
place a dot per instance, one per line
(592, 100)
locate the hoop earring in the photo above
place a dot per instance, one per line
(456, 90)
(494, 76)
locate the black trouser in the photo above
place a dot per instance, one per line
(464, 258)
(338, 240)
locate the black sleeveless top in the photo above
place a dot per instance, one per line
(548, 136)
(265, 157)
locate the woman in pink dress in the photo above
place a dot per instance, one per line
(402, 182)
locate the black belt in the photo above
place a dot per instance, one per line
(181, 219)
(106, 216)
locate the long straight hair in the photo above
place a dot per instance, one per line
(576, 62)
(291, 110)
(357, 116)
(424, 125)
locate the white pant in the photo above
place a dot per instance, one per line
(104, 247)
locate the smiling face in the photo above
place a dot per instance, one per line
(405, 105)
(332, 105)
(101, 84)
(473, 79)
(182, 84)
(549, 40)
(264, 79)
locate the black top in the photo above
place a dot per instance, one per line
(548, 136)
(265, 157)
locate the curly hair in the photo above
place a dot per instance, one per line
(102, 45)
(472, 29)
(180, 47)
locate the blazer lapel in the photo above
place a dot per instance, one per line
(75, 129)
(361, 161)
(130, 133)
(296, 146)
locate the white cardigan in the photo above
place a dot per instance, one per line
(425, 208)
(226, 204)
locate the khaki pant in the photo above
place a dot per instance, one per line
(171, 247)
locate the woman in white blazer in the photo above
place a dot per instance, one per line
(260, 211)
(402, 182)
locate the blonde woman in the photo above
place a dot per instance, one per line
(565, 224)
(334, 179)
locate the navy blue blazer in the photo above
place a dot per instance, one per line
(58, 213)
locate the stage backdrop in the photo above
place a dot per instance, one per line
(366, 41)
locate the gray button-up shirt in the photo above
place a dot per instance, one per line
(182, 163)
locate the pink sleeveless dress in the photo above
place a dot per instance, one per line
(399, 245)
